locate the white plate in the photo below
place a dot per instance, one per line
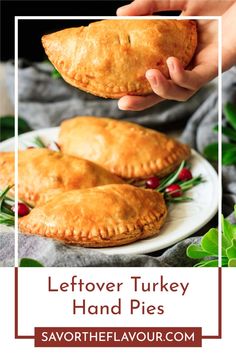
(183, 220)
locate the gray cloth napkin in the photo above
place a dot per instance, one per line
(45, 102)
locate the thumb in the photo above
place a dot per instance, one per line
(148, 7)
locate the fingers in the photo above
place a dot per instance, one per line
(180, 87)
(138, 103)
(137, 8)
(183, 78)
(190, 79)
(166, 89)
(148, 7)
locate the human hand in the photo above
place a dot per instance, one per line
(183, 83)
(187, 7)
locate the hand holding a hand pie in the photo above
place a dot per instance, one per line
(184, 83)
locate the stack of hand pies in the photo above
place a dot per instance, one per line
(82, 194)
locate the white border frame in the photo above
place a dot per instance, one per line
(218, 18)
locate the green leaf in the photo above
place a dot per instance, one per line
(228, 233)
(229, 132)
(229, 230)
(7, 126)
(209, 246)
(224, 261)
(211, 152)
(229, 155)
(211, 263)
(28, 262)
(232, 262)
(216, 128)
(231, 251)
(196, 251)
(55, 74)
(230, 114)
(209, 242)
(228, 149)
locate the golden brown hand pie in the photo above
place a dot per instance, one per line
(126, 149)
(110, 58)
(44, 173)
(103, 216)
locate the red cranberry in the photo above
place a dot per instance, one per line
(22, 209)
(153, 182)
(174, 190)
(185, 174)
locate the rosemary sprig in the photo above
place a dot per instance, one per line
(191, 183)
(184, 185)
(178, 199)
(170, 179)
(6, 219)
(37, 141)
(6, 214)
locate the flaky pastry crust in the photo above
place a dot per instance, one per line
(126, 149)
(110, 58)
(103, 216)
(44, 173)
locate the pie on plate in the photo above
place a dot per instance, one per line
(103, 216)
(125, 149)
(110, 58)
(44, 173)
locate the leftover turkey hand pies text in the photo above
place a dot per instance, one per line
(103, 216)
(126, 149)
(44, 173)
(110, 58)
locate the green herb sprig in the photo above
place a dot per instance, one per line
(7, 216)
(38, 142)
(207, 251)
(171, 179)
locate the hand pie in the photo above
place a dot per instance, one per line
(103, 216)
(126, 149)
(110, 58)
(44, 173)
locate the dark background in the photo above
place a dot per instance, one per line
(31, 31)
